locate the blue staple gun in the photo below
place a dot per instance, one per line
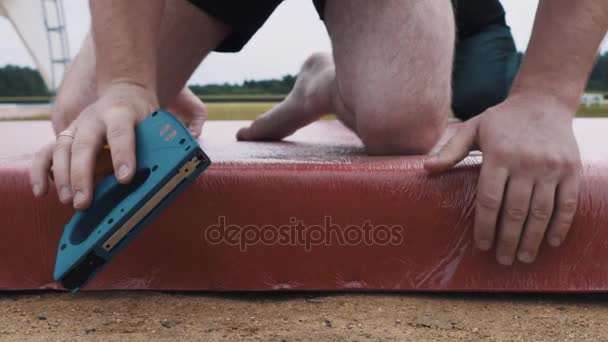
(168, 159)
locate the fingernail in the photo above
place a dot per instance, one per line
(484, 245)
(123, 172)
(66, 194)
(79, 199)
(555, 241)
(36, 190)
(505, 260)
(526, 257)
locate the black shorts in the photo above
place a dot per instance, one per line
(245, 17)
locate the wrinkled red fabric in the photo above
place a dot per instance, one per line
(319, 175)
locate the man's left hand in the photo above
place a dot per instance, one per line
(529, 181)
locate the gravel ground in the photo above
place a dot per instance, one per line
(154, 316)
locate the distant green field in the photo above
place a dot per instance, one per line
(237, 110)
(242, 98)
(593, 112)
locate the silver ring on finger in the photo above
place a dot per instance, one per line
(66, 133)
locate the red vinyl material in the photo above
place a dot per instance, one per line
(390, 225)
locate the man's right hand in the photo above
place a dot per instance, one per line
(112, 119)
(77, 95)
(71, 101)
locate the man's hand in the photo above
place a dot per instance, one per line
(112, 118)
(77, 93)
(529, 181)
(79, 90)
(125, 36)
(69, 103)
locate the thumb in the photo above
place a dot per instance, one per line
(454, 151)
(191, 110)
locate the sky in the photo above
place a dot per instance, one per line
(292, 33)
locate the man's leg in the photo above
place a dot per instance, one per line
(485, 65)
(391, 83)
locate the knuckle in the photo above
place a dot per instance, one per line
(80, 145)
(488, 201)
(541, 213)
(515, 214)
(564, 223)
(117, 131)
(502, 154)
(120, 110)
(568, 206)
(533, 160)
(552, 163)
(571, 165)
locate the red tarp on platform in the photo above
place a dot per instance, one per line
(310, 213)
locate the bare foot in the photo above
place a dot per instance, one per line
(307, 102)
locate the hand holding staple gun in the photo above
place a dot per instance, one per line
(168, 159)
(127, 89)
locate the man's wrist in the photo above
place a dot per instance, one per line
(564, 96)
(125, 89)
(545, 102)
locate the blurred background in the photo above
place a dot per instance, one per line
(38, 38)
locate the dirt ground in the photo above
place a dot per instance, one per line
(153, 316)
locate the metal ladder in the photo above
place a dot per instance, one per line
(59, 49)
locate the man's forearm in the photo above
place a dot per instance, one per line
(562, 49)
(126, 40)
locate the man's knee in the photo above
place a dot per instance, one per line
(403, 126)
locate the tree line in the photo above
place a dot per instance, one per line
(24, 81)
(21, 81)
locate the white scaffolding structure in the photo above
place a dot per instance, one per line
(41, 26)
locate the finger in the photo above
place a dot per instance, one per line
(39, 172)
(490, 189)
(513, 217)
(88, 141)
(276, 124)
(541, 209)
(121, 139)
(195, 125)
(454, 151)
(61, 168)
(566, 205)
(198, 111)
(191, 110)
